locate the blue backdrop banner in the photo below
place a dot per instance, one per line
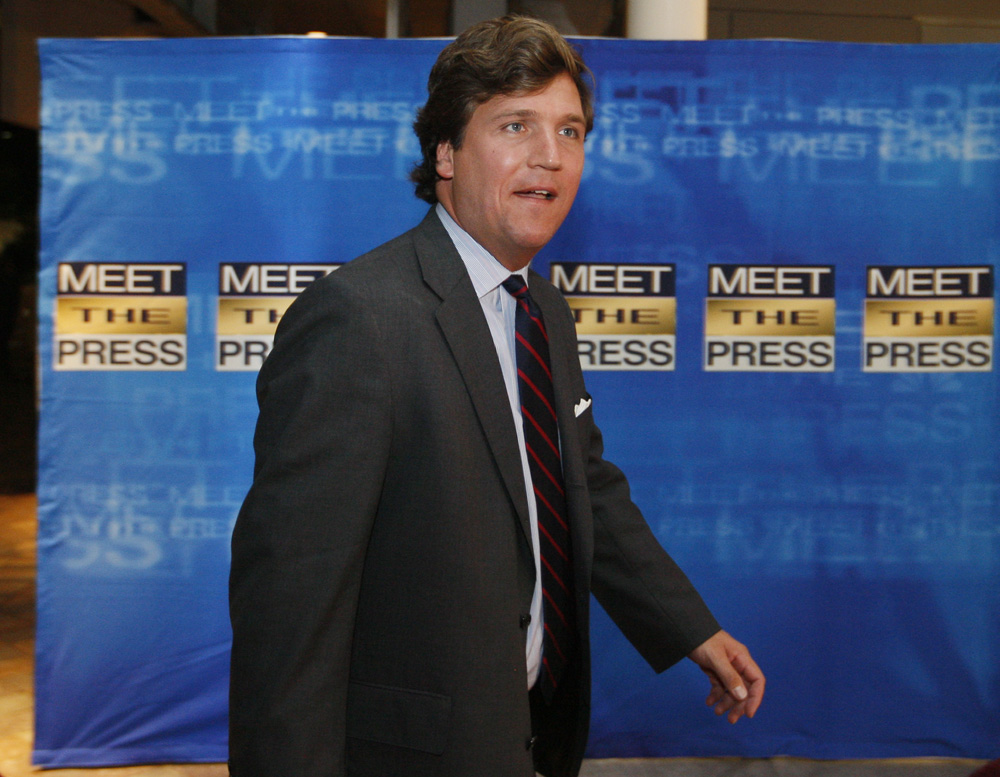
(782, 264)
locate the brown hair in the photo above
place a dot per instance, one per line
(511, 55)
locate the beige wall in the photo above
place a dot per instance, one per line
(864, 21)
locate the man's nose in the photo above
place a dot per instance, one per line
(546, 151)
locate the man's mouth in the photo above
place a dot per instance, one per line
(543, 194)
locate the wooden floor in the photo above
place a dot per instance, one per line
(17, 623)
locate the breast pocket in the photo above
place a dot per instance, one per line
(584, 423)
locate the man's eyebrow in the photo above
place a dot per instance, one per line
(528, 113)
(520, 113)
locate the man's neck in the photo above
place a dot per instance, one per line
(512, 264)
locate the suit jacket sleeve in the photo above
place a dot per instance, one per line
(299, 541)
(639, 585)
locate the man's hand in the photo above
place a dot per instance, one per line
(737, 682)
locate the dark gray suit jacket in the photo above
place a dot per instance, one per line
(381, 562)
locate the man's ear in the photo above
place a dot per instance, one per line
(445, 163)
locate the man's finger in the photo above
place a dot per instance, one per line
(717, 694)
(731, 679)
(737, 712)
(754, 678)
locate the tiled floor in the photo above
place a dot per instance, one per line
(17, 621)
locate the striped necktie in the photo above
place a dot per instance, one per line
(541, 439)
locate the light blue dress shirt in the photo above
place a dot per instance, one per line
(499, 308)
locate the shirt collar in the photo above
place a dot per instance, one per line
(484, 270)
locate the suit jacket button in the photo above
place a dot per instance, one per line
(530, 742)
(525, 620)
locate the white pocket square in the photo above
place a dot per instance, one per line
(580, 406)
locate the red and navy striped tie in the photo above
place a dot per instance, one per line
(541, 439)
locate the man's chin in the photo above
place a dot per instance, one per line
(531, 245)
(537, 239)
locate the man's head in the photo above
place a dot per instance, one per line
(505, 56)
(502, 135)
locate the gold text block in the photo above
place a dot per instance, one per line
(770, 316)
(114, 315)
(968, 316)
(624, 315)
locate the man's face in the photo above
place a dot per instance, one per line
(513, 181)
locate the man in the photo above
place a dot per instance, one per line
(430, 508)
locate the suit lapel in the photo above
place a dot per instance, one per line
(461, 319)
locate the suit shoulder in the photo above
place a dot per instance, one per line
(367, 276)
(352, 301)
(377, 266)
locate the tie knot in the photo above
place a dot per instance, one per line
(516, 286)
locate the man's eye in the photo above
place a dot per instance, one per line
(570, 132)
(515, 126)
